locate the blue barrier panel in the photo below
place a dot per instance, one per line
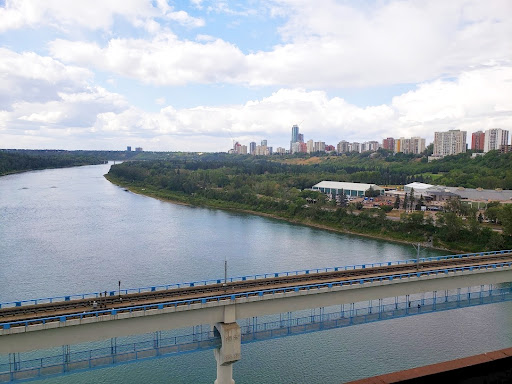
(233, 297)
(276, 274)
(18, 303)
(153, 289)
(244, 278)
(160, 306)
(114, 312)
(112, 293)
(218, 281)
(7, 326)
(62, 318)
(67, 298)
(203, 301)
(191, 284)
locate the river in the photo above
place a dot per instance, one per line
(66, 231)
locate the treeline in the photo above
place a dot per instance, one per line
(278, 188)
(12, 161)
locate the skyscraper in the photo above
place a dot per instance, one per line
(252, 147)
(295, 136)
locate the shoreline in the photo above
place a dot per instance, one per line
(276, 217)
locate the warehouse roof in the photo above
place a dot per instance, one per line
(346, 185)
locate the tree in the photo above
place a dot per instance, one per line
(411, 199)
(420, 203)
(371, 192)
(397, 202)
(505, 216)
(386, 208)
(405, 202)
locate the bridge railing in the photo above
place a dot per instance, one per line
(96, 295)
(260, 292)
(50, 363)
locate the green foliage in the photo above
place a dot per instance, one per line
(20, 160)
(505, 216)
(371, 192)
(386, 208)
(278, 187)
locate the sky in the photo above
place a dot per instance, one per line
(197, 75)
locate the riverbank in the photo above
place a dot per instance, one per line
(154, 194)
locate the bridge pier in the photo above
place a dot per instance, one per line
(229, 352)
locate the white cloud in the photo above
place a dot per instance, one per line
(434, 106)
(331, 45)
(165, 60)
(90, 14)
(30, 77)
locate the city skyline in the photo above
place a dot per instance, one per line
(198, 75)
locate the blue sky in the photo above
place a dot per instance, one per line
(194, 75)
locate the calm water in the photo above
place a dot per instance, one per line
(70, 231)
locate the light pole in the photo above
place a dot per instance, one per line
(417, 248)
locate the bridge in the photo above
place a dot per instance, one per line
(225, 304)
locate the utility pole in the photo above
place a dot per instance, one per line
(225, 285)
(417, 248)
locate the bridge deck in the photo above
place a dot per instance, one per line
(19, 315)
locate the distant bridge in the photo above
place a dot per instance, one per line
(50, 322)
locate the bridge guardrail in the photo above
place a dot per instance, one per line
(260, 292)
(96, 295)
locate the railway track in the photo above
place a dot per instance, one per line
(83, 307)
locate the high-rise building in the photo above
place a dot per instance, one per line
(319, 146)
(295, 136)
(301, 138)
(295, 133)
(373, 145)
(264, 142)
(389, 144)
(252, 147)
(343, 147)
(355, 147)
(477, 141)
(414, 145)
(128, 149)
(310, 146)
(261, 150)
(494, 139)
(449, 143)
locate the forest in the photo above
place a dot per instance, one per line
(13, 161)
(277, 186)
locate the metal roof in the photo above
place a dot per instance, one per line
(417, 185)
(346, 185)
(481, 194)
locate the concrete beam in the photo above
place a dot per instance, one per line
(22, 339)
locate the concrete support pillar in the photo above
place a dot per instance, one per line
(229, 352)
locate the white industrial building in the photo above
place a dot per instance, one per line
(348, 189)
